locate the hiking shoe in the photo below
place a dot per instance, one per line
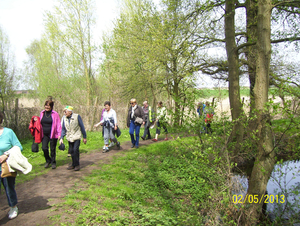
(154, 140)
(143, 138)
(77, 168)
(47, 165)
(166, 138)
(103, 147)
(105, 150)
(111, 144)
(132, 146)
(70, 167)
(53, 166)
(118, 144)
(13, 213)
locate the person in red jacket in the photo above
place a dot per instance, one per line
(35, 129)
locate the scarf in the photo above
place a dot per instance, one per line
(132, 110)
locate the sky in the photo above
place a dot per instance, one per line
(22, 21)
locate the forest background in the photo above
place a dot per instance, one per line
(158, 52)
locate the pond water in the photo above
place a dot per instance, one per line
(283, 191)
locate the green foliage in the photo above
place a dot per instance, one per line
(63, 62)
(164, 184)
(8, 72)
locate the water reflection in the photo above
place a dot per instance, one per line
(283, 190)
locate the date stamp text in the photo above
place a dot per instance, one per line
(258, 199)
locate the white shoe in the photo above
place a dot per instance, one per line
(111, 144)
(13, 213)
(104, 147)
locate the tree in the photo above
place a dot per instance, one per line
(158, 49)
(66, 54)
(265, 157)
(8, 72)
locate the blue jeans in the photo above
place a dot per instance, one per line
(9, 186)
(134, 128)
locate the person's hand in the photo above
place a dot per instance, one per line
(61, 141)
(116, 127)
(3, 158)
(143, 123)
(84, 140)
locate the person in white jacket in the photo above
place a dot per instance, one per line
(109, 123)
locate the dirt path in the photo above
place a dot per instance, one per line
(37, 197)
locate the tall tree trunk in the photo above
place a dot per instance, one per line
(251, 7)
(237, 112)
(265, 157)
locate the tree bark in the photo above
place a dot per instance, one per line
(237, 112)
(265, 157)
(251, 11)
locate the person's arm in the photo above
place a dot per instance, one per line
(58, 125)
(14, 140)
(102, 114)
(63, 130)
(115, 117)
(101, 121)
(143, 115)
(81, 127)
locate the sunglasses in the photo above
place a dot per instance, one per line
(132, 103)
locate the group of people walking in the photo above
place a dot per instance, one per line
(136, 117)
(48, 129)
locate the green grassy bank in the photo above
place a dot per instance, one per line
(161, 184)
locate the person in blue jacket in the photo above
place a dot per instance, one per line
(8, 140)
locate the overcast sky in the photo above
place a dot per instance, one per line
(22, 21)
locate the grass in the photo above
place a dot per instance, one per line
(161, 184)
(206, 93)
(178, 182)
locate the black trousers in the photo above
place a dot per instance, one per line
(45, 147)
(147, 130)
(74, 151)
(159, 125)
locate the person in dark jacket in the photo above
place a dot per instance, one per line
(135, 119)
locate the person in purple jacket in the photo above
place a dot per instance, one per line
(51, 131)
